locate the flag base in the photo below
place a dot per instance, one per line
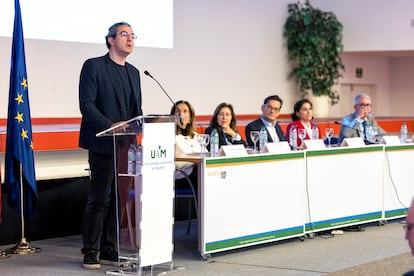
(23, 248)
(4, 255)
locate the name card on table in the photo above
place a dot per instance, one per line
(277, 147)
(391, 140)
(353, 142)
(232, 150)
(316, 144)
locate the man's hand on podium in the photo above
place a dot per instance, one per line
(120, 126)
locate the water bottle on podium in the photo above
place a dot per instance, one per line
(138, 169)
(132, 158)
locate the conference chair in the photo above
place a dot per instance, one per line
(188, 192)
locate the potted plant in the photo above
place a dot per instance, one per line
(314, 44)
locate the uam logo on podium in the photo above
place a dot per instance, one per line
(158, 153)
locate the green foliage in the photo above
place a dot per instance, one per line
(314, 43)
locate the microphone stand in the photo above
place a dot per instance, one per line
(358, 131)
(180, 118)
(159, 84)
(353, 128)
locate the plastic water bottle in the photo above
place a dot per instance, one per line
(214, 143)
(404, 133)
(293, 138)
(138, 160)
(132, 158)
(315, 132)
(262, 138)
(368, 132)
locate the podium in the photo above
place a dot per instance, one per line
(145, 196)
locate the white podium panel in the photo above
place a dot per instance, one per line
(344, 187)
(155, 189)
(251, 200)
(398, 185)
(145, 191)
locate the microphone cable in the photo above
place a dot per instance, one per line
(392, 180)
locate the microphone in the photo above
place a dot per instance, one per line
(357, 130)
(165, 92)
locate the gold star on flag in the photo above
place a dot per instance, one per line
(24, 134)
(19, 117)
(19, 98)
(24, 83)
(31, 145)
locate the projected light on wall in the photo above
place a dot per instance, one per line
(88, 20)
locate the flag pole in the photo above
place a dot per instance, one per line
(23, 247)
(19, 144)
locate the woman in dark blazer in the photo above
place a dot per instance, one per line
(224, 121)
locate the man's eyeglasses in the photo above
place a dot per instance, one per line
(126, 34)
(364, 104)
(275, 109)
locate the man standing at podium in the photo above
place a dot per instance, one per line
(109, 93)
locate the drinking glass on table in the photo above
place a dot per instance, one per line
(329, 132)
(255, 136)
(301, 135)
(203, 140)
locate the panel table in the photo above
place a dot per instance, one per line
(344, 187)
(398, 185)
(250, 200)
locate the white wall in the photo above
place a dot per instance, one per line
(373, 25)
(402, 86)
(376, 71)
(230, 50)
(225, 51)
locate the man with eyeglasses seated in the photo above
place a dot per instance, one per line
(354, 124)
(270, 112)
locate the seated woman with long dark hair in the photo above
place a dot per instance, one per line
(224, 121)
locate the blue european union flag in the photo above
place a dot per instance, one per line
(19, 163)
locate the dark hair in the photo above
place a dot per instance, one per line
(112, 32)
(190, 128)
(213, 120)
(296, 108)
(274, 98)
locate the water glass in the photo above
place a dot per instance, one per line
(203, 140)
